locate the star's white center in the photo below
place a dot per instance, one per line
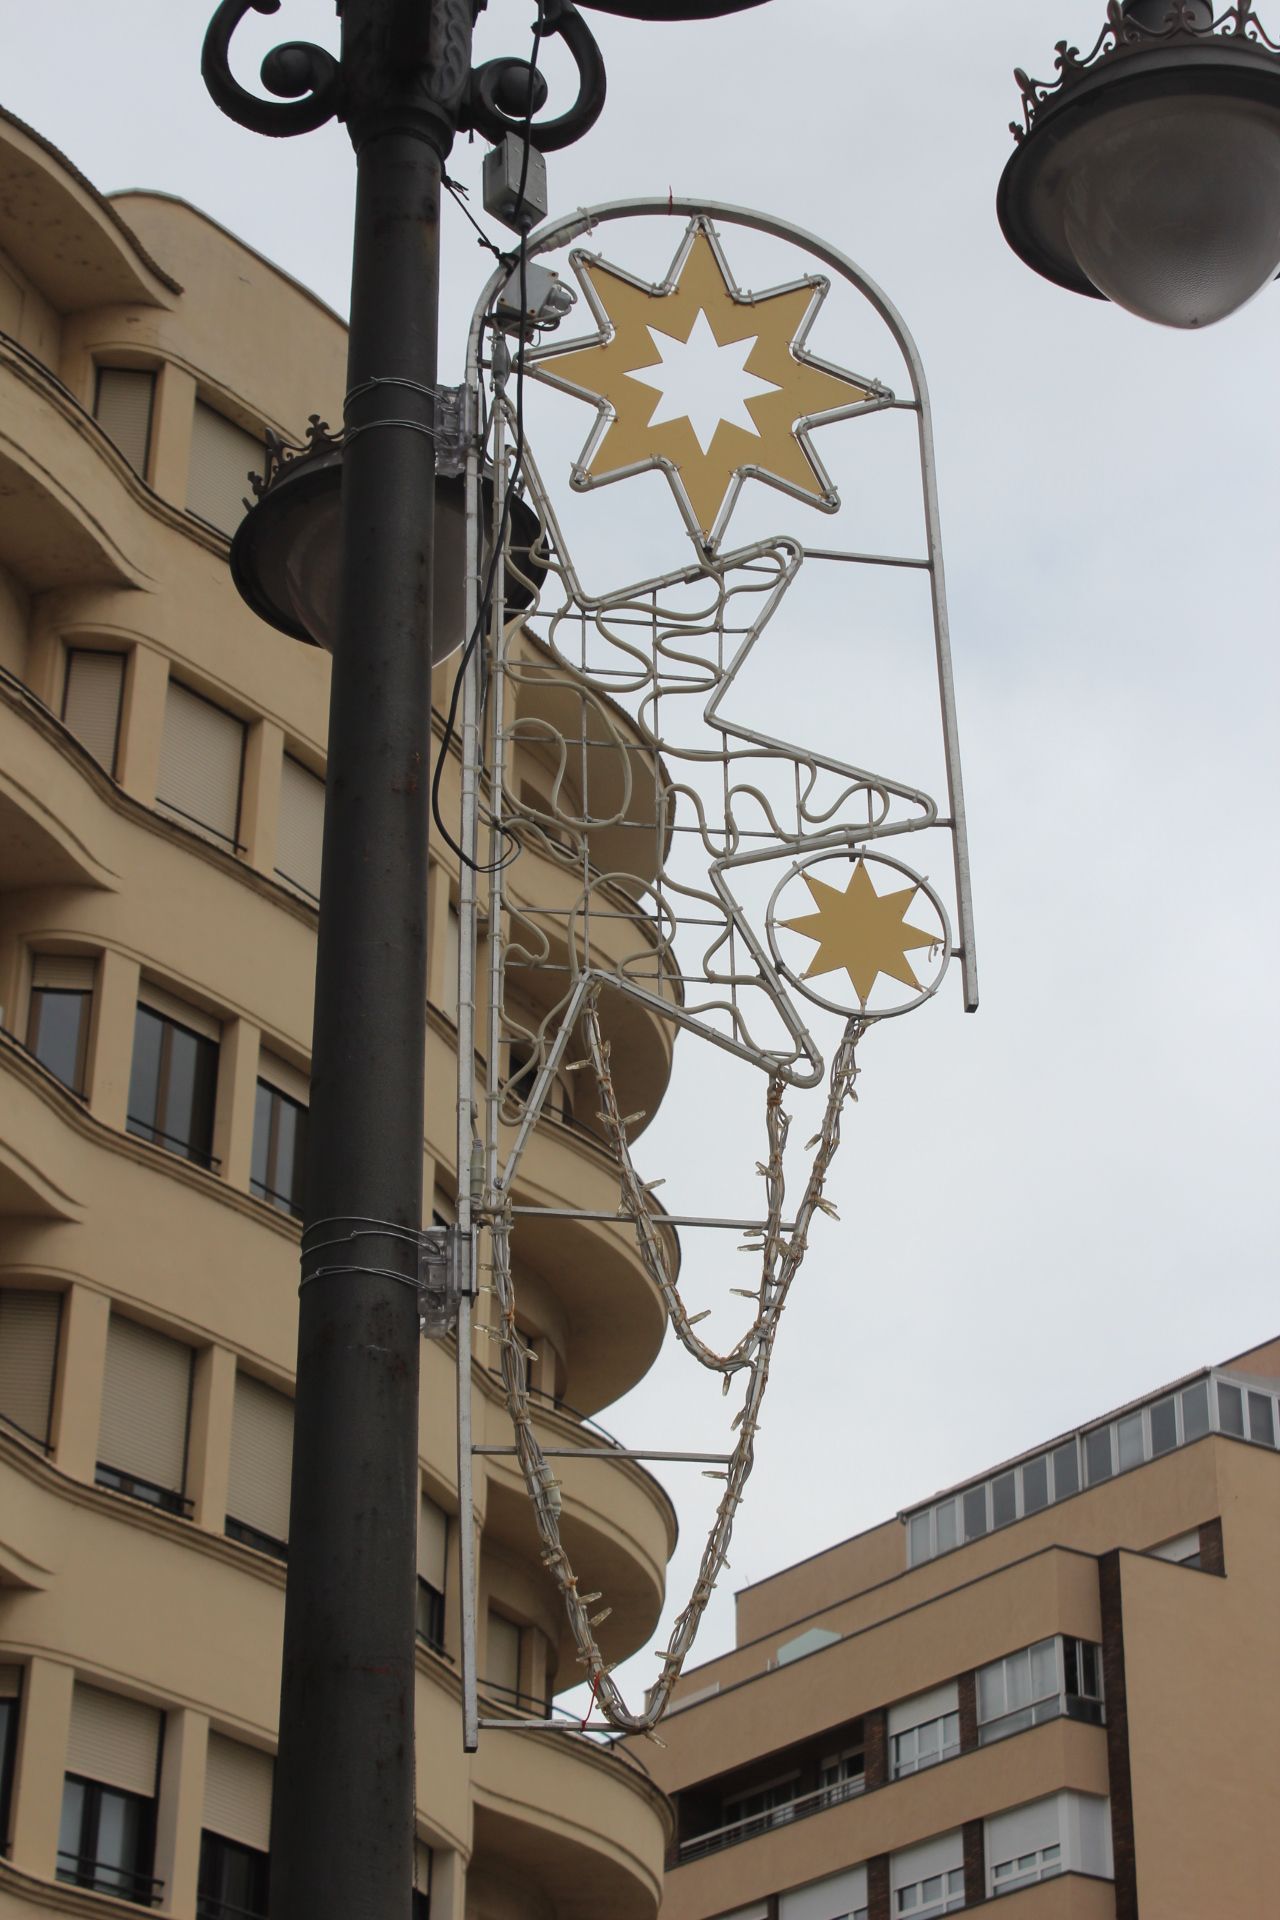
(702, 382)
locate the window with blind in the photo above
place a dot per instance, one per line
(146, 1401)
(106, 1838)
(502, 1658)
(28, 1357)
(173, 1082)
(122, 407)
(223, 456)
(433, 1553)
(301, 827)
(59, 1015)
(201, 765)
(10, 1705)
(841, 1897)
(261, 1461)
(236, 1833)
(928, 1879)
(92, 700)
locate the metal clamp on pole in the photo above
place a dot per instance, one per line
(444, 1276)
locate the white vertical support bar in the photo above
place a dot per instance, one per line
(467, 932)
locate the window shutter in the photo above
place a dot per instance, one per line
(452, 961)
(145, 1399)
(28, 1353)
(1023, 1830)
(502, 1653)
(113, 1740)
(169, 1007)
(826, 1899)
(301, 828)
(222, 458)
(261, 1458)
(421, 1867)
(91, 702)
(201, 758)
(123, 409)
(433, 1543)
(942, 1855)
(64, 972)
(924, 1706)
(237, 1792)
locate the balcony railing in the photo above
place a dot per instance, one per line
(780, 1816)
(104, 1876)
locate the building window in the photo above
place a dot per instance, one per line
(29, 1323)
(173, 1084)
(763, 1808)
(1039, 1683)
(1008, 1875)
(223, 456)
(10, 1703)
(261, 1464)
(201, 765)
(122, 405)
(59, 1017)
(842, 1896)
(936, 1893)
(433, 1547)
(237, 1832)
(422, 1864)
(92, 698)
(279, 1138)
(925, 1745)
(841, 1775)
(146, 1401)
(106, 1839)
(300, 832)
(502, 1658)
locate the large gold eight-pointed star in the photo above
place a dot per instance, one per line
(699, 293)
(862, 931)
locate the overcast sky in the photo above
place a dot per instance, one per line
(1068, 1198)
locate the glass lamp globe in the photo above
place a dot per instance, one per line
(1152, 177)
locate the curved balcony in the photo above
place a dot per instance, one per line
(54, 831)
(617, 1522)
(564, 1831)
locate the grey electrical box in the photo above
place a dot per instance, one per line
(504, 167)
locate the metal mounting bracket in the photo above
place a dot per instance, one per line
(444, 1276)
(456, 429)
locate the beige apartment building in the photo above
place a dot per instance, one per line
(161, 795)
(1056, 1685)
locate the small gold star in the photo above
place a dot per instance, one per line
(862, 931)
(782, 390)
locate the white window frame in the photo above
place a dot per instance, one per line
(904, 1761)
(1036, 1704)
(1044, 1863)
(949, 1900)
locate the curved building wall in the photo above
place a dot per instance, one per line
(161, 791)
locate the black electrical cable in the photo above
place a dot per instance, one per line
(486, 598)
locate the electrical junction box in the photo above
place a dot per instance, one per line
(504, 168)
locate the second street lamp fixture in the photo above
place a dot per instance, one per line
(1149, 172)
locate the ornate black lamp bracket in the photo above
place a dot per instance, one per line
(496, 99)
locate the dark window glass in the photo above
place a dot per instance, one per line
(58, 1033)
(8, 1748)
(1097, 1455)
(946, 1526)
(233, 1880)
(421, 1906)
(1230, 1409)
(106, 1840)
(430, 1615)
(975, 1513)
(172, 1086)
(1262, 1424)
(1164, 1426)
(1035, 1485)
(1071, 1666)
(279, 1149)
(1090, 1676)
(1195, 1410)
(1066, 1471)
(1004, 1500)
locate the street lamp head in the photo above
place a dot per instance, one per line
(1149, 173)
(286, 556)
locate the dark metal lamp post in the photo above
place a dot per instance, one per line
(343, 1823)
(1149, 172)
